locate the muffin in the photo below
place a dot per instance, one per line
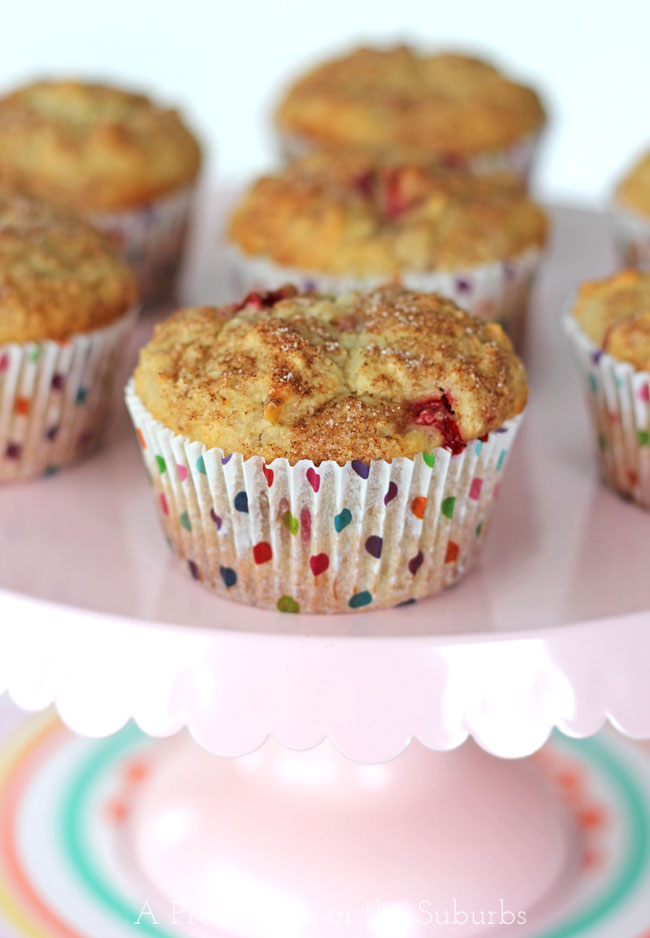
(336, 223)
(113, 155)
(609, 331)
(66, 309)
(458, 110)
(327, 454)
(631, 215)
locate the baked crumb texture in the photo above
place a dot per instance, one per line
(332, 225)
(451, 106)
(378, 375)
(322, 538)
(362, 216)
(94, 148)
(59, 277)
(66, 309)
(633, 191)
(497, 292)
(609, 332)
(615, 314)
(115, 156)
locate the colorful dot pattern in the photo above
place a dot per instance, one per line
(325, 531)
(54, 397)
(342, 520)
(618, 401)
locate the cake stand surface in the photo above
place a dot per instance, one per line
(552, 628)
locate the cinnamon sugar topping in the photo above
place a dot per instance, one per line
(364, 376)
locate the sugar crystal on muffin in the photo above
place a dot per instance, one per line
(615, 314)
(58, 275)
(376, 375)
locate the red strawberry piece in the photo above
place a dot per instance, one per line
(365, 183)
(254, 300)
(399, 196)
(394, 201)
(438, 412)
(266, 299)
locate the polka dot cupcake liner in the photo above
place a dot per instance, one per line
(497, 291)
(517, 159)
(152, 239)
(54, 397)
(618, 400)
(322, 538)
(632, 236)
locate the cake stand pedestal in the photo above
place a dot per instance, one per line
(299, 843)
(342, 810)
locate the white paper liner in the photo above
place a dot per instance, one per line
(618, 399)
(324, 538)
(517, 159)
(54, 397)
(632, 236)
(497, 291)
(152, 239)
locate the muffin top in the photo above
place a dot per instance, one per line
(445, 104)
(58, 276)
(357, 215)
(365, 376)
(615, 314)
(93, 147)
(634, 189)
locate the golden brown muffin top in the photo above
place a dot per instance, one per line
(58, 276)
(444, 104)
(615, 314)
(357, 215)
(93, 147)
(634, 189)
(364, 376)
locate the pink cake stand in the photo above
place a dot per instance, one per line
(328, 818)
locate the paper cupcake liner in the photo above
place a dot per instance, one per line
(632, 236)
(618, 399)
(54, 398)
(517, 159)
(497, 291)
(326, 538)
(152, 239)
